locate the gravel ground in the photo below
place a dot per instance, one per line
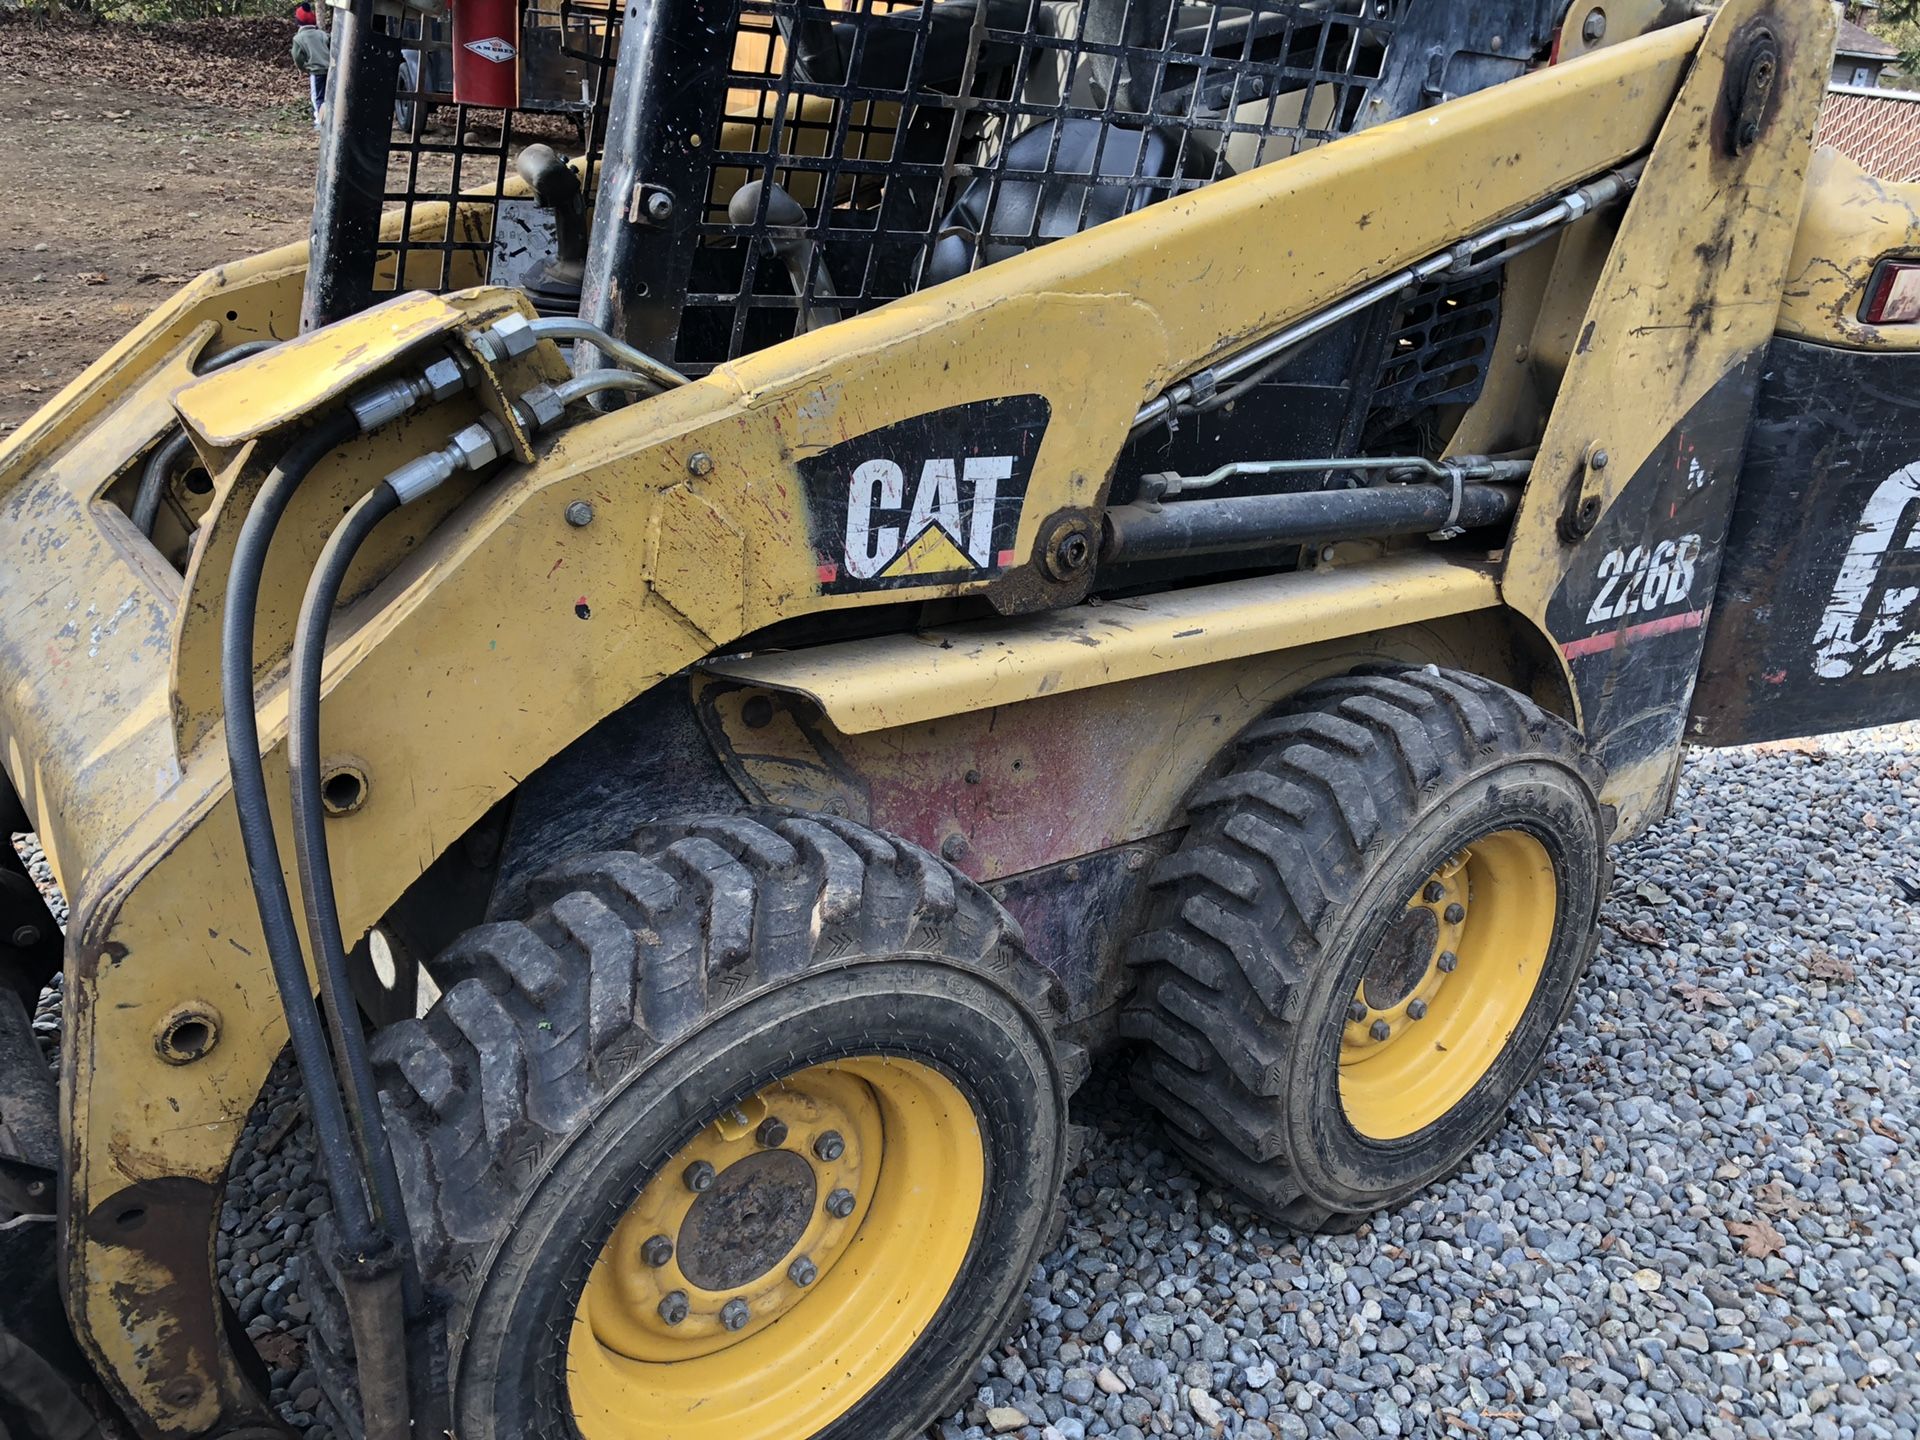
(1702, 1219)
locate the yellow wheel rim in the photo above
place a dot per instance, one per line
(1448, 985)
(783, 1262)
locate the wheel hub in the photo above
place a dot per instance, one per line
(1448, 985)
(778, 1265)
(749, 1222)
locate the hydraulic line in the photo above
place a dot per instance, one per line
(153, 479)
(332, 1138)
(1209, 389)
(381, 1330)
(562, 327)
(380, 1283)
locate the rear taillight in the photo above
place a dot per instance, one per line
(1893, 295)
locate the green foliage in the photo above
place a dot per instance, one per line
(1898, 23)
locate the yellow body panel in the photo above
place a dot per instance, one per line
(906, 679)
(1851, 222)
(1689, 294)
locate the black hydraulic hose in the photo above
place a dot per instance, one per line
(315, 870)
(153, 479)
(1203, 527)
(383, 1321)
(332, 1138)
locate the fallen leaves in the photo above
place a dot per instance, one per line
(1776, 1199)
(1823, 966)
(91, 277)
(1641, 932)
(1698, 998)
(1758, 1239)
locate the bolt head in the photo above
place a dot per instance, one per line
(579, 514)
(657, 1251)
(659, 206)
(1356, 1012)
(772, 1133)
(699, 464)
(803, 1272)
(735, 1314)
(1416, 1009)
(1072, 551)
(954, 846)
(674, 1308)
(1601, 459)
(840, 1204)
(1380, 1030)
(699, 1177)
(25, 937)
(829, 1146)
(1454, 913)
(1448, 961)
(1435, 892)
(1595, 27)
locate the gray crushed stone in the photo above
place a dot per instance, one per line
(1701, 1220)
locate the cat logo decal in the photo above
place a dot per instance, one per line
(930, 500)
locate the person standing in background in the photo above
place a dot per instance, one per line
(312, 54)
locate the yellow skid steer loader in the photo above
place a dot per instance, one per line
(694, 682)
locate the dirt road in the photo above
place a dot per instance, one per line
(116, 196)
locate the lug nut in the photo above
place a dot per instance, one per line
(734, 1314)
(1416, 1010)
(657, 1251)
(1454, 913)
(829, 1147)
(772, 1133)
(673, 1309)
(802, 1272)
(840, 1204)
(1435, 892)
(1380, 1030)
(1448, 961)
(1356, 1012)
(699, 1177)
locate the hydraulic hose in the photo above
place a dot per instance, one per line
(332, 1138)
(153, 479)
(380, 1333)
(310, 849)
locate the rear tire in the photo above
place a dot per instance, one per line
(658, 1010)
(1358, 956)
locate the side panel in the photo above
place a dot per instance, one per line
(1817, 624)
(1614, 548)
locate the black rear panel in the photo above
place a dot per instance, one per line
(1816, 623)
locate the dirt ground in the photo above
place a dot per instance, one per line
(118, 193)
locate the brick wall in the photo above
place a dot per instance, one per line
(1879, 130)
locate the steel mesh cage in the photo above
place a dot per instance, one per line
(870, 148)
(861, 150)
(444, 153)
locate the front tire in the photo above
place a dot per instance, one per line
(752, 1130)
(1377, 919)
